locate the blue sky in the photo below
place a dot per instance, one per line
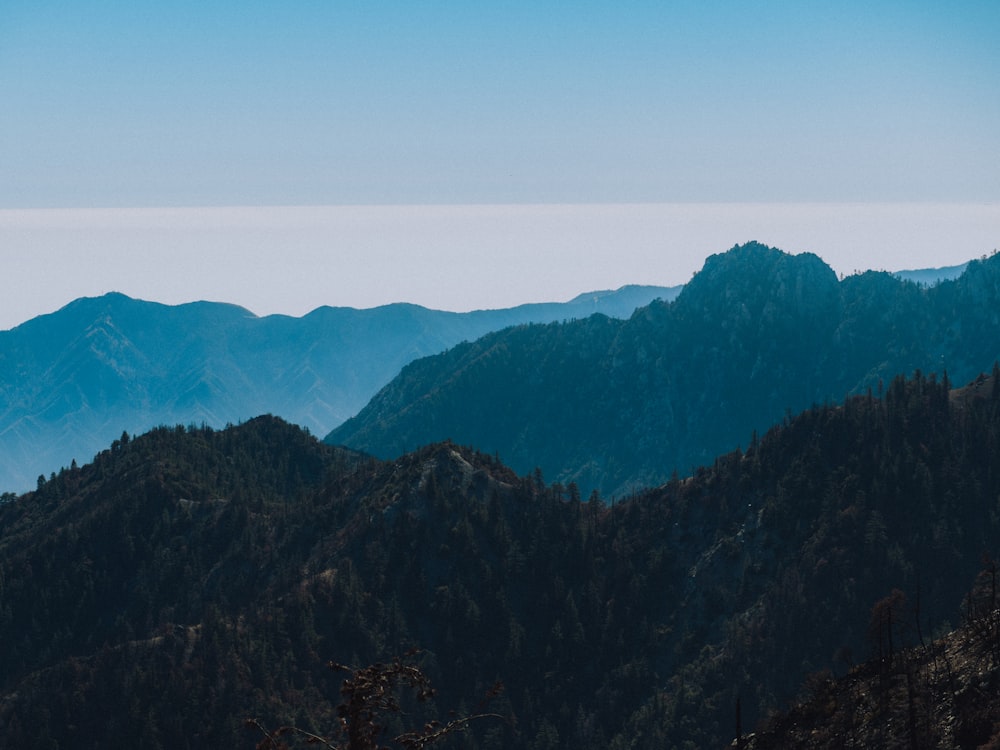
(144, 103)
(790, 107)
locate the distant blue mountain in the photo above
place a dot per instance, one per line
(73, 380)
(932, 276)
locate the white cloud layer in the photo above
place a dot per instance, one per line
(291, 260)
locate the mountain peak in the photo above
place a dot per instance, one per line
(759, 260)
(756, 287)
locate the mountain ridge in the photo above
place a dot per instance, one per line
(756, 334)
(74, 379)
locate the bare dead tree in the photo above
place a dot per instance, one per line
(368, 695)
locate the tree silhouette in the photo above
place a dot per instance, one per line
(369, 694)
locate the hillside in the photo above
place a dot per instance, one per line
(620, 404)
(190, 578)
(72, 381)
(944, 694)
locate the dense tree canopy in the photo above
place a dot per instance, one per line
(189, 579)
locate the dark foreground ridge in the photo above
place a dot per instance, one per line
(189, 578)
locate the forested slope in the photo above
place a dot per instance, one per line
(190, 578)
(620, 404)
(73, 380)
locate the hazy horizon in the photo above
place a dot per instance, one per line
(461, 156)
(291, 260)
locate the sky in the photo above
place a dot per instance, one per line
(481, 154)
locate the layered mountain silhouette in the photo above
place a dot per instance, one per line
(620, 404)
(72, 381)
(188, 579)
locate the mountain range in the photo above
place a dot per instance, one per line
(620, 404)
(73, 380)
(188, 579)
